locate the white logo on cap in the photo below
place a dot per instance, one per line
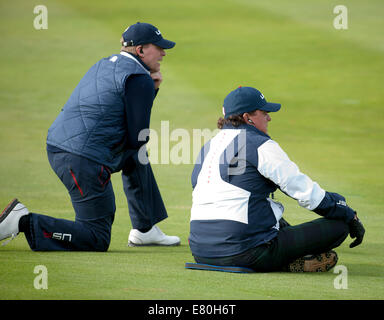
(261, 96)
(158, 32)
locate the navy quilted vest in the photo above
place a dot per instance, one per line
(92, 123)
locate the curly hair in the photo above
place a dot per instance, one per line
(235, 120)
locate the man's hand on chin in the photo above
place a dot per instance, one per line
(157, 78)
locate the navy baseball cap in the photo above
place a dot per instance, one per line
(144, 33)
(247, 99)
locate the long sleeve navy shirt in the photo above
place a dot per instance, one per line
(139, 95)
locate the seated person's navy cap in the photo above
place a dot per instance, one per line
(144, 33)
(247, 99)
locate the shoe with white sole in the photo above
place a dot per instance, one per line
(9, 220)
(154, 237)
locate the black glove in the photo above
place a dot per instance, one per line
(356, 230)
(334, 206)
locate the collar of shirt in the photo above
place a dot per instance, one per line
(129, 55)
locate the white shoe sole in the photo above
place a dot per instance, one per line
(132, 244)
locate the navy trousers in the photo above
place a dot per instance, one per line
(292, 242)
(93, 200)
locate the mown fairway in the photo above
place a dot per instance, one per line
(330, 83)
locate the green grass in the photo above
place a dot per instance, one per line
(329, 81)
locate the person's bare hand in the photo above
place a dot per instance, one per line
(157, 78)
